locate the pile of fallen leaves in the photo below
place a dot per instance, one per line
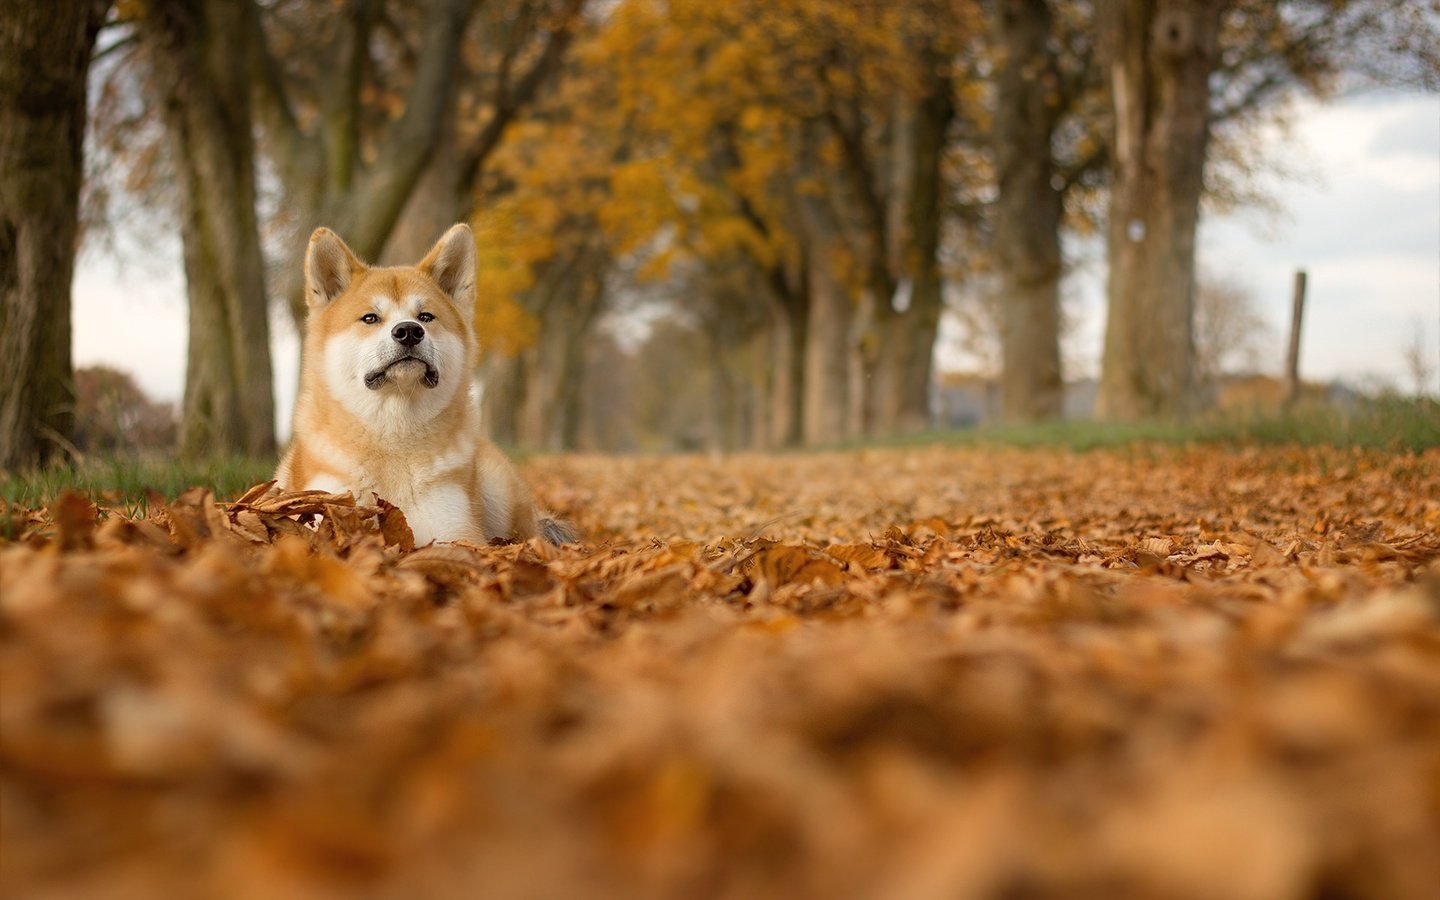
(940, 673)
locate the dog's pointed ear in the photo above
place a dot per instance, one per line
(329, 268)
(451, 265)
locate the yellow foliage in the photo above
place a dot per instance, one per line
(501, 323)
(680, 134)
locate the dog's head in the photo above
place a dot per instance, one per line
(393, 340)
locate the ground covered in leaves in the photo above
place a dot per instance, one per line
(929, 673)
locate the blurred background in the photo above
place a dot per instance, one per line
(724, 226)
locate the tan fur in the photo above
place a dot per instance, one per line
(414, 444)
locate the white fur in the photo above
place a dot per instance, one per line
(498, 499)
(403, 409)
(442, 511)
(329, 484)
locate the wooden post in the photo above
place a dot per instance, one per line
(1292, 358)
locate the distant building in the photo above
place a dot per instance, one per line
(1255, 393)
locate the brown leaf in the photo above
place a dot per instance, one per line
(394, 530)
(75, 517)
(445, 565)
(780, 565)
(866, 556)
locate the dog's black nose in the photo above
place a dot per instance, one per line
(408, 333)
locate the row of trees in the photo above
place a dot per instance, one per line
(799, 180)
(804, 179)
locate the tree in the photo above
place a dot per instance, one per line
(45, 53)
(1160, 55)
(1415, 354)
(911, 320)
(1043, 146)
(1230, 335)
(200, 72)
(354, 125)
(1180, 72)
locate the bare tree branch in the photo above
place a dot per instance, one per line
(369, 211)
(509, 103)
(340, 99)
(276, 113)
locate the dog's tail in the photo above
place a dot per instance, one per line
(556, 531)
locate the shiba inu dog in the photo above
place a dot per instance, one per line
(386, 399)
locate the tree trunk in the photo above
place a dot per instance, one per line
(789, 426)
(903, 363)
(789, 310)
(827, 337)
(44, 58)
(720, 344)
(911, 346)
(578, 325)
(439, 200)
(1027, 213)
(567, 301)
(1161, 54)
(935, 110)
(503, 396)
(202, 73)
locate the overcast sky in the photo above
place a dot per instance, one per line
(1363, 219)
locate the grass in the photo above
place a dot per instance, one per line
(1386, 424)
(130, 481)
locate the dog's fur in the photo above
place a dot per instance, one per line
(398, 420)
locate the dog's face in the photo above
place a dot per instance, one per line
(394, 345)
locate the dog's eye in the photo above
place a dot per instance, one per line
(426, 317)
(369, 318)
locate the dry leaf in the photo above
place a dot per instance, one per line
(942, 672)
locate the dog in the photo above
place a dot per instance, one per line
(387, 404)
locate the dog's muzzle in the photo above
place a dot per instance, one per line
(376, 378)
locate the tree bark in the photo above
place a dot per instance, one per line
(900, 244)
(504, 378)
(44, 59)
(1027, 212)
(789, 312)
(788, 422)
(440, 199)
(827, 335)
(567, 300)
(1160, 56)
(202, 75)
(915, 344)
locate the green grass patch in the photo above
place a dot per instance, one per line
(129, 482)
(1404, 425)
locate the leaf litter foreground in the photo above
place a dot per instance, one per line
(938, 673)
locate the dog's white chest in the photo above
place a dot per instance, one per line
(436, 509)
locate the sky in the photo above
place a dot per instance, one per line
(1360, 212)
